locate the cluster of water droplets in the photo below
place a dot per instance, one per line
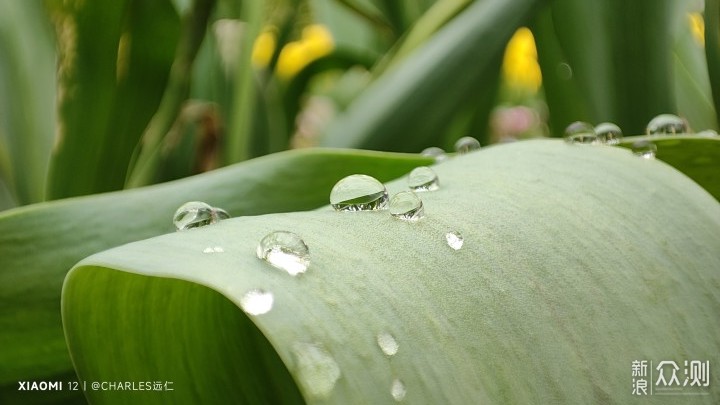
(463, 145)
(580, 132)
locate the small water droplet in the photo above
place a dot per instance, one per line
(454, 240)
(397, 390)
(564, 71)
(216, 249)
(317, 371)
(466, 144)
(193, 214)
(208, 250)
(407, 206)
(667, 124)
(423, 179)
(644, 149)
(257, 302)
(285, 251)
(220, 214)
(580, 132)
(359, 192)
(387, 343)
(435, 152)
(608, 133)
(709, 133)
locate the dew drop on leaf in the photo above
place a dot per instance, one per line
(358, 192)
(257, 302)
(466, 144)
(387, 343)
(193, 214)
(285, 251)
(434, 152)
(608, 133)
(644, 149)
(220, 214)
(708, 133)
(407, 206)
(316, 369)
(454, 240)
(423, 179)
(397, 390)
(580, 132)
(667, 124)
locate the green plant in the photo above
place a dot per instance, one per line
(148, 93)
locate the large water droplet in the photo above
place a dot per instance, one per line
(423, 179)
(667, 124)
(358, 192)
(434, 152)
(608, 133)
(407, 206)
(397, 390)
(454, 240)
(220, 214)
(466, 144)
(317, 371)
(580, 132)
(286, 251)
(387, 343)
(193, 214)
(257, 302)
(709, 133)
(645, 149)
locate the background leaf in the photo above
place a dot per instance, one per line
(566, 270)
(38, 244)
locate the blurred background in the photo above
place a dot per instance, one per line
(100, 96)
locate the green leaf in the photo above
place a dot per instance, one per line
(570, 270)
(408, 107)
(712, 49)
(39, 243)
(113, 65)
(27, 99)
(697, 157)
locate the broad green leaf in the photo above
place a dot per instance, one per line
(39, 243)
(577, 260)
(408, 107)
(697, 157)
(113, 64)
(27, 98)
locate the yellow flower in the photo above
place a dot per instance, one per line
(316, 42)
(264, 47)
(697, 27)
(520, 66)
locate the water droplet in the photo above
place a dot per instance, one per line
(645, 149)
(667, 124)
(317, 371)
(193, 214)
(407, 206)
(285, 251)
(387, 343)
(257, 302)
(608, 133)
(454, 240)
(397, 390)
(709, 133)
(358, 192)
(435, 152)
(423, 179)
(466, 144)
(216, 249)
(564, 71)
(580, 132)
(220, 214)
